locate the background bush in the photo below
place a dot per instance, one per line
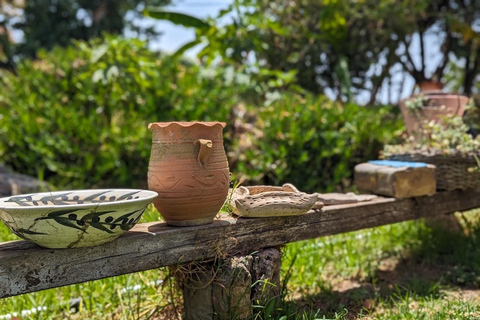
(77, 117)
(313, 142)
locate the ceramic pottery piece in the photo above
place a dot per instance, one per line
(427, 86)
(189, 171)
(270, 201)
(72, 219)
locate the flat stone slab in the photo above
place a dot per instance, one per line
(15, 183)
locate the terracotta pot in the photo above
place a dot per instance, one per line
(438, 105)
(189, 171)
(427, 86)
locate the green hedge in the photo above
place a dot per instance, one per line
(313, 142)
(77, 117)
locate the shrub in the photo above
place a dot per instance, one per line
(78, 116)
(312, 142)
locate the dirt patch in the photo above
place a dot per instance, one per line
(463, 294)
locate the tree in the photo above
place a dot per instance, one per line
(311, 37)
(343, 46)
(46, 23)
(463, 23)
(332, 45)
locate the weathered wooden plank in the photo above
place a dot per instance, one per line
(24, 267)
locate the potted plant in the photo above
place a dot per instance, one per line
(449, 147)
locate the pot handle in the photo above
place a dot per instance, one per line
(204, 150)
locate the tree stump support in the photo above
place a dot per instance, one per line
(229, 287)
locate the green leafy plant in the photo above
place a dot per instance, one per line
(447, 137)
(176, 18)
(472, 113)
(417, 102)
(310, 141)
(78, 116)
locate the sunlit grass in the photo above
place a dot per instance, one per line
(407, 270)
(354, 254)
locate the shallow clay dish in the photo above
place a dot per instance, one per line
(272, 201)
(71, 219)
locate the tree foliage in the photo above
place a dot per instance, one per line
(344, 46)
(78, 116)
(46, 23)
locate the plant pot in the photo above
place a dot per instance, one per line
(189, 170)
(437, 105)
(426, 86)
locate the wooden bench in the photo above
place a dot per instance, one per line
(25, 267)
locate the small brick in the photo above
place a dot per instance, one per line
(398, 182)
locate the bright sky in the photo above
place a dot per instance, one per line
(173, 36)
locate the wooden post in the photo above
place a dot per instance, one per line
(446, 222)
(197, 288)
(227, 288)
(266, 274)
(231, 289)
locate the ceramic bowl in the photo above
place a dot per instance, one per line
(72, 219)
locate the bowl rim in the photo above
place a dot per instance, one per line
(151, 196)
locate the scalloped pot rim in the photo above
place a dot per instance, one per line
(148, 197)
(186, 124)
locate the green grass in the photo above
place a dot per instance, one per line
(402, 271)
(417, 307)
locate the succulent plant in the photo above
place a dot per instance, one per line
(448, 137)
(417, 102)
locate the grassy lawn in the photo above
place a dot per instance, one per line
(403, 271)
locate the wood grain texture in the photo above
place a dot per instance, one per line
(25, 267)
